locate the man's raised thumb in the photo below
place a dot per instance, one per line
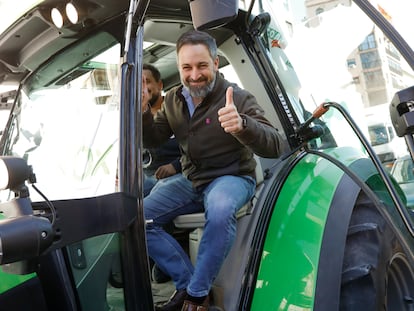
(229, 96)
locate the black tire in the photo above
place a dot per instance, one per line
(376, 273)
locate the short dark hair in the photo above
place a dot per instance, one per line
(194, 37)
(154, 71)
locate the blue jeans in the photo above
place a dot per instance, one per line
(220, 200)
(149, 183)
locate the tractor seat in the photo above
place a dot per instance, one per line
(197, 220)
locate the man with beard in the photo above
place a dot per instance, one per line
(163, 161)
(218, 127)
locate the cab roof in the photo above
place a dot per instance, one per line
(33, 39)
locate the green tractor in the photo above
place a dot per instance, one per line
(328, 227)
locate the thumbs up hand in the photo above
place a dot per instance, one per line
(229, 118)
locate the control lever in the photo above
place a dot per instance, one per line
(317, 113)
(308, 133)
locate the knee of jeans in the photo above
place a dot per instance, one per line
(152, 228)
(221, 214)
(149, 212)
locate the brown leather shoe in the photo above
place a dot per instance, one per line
(192, 306)
(175, 303)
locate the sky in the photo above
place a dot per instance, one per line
(402, 13)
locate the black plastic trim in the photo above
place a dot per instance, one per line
(79, 219)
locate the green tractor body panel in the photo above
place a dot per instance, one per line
(9, 281)
(289, 266)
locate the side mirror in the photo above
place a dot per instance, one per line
(401, 112)
(23, 235)
(207, 14)
(402, 116)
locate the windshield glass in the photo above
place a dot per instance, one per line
(319, 59)
(320, 56)
(69, 132)
(378, 134)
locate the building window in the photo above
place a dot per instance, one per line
(397, 83)
(351, 63)
(369, 43)
(394, 66)
(319, 11)
(391, 50)
(374, 78)
(370, 59)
